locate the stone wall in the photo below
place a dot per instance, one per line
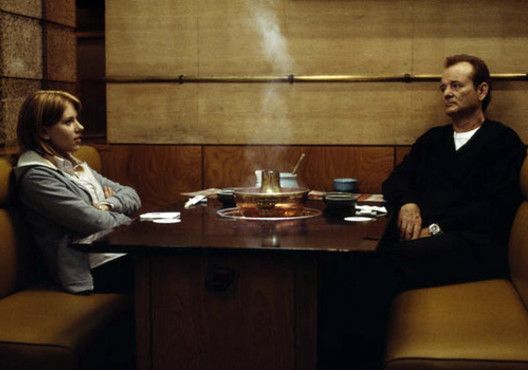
(37, 51)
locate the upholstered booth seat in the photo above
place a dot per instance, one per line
(479, 325)
(50, 329)
(42, 327)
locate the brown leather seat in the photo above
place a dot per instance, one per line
(42, 327)
(91, 156)
(480, 325)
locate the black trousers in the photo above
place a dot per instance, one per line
(116, 276)
(356, 292)
(442, 259)
(117, 351)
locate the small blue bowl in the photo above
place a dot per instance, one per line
(345, 184)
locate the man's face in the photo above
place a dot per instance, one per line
(459, 94)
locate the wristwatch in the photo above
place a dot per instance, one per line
(435, 229)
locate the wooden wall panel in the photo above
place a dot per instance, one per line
(152, 113)
(158, 173)
(161, 37)
(495, 30)
(301, 113)
(208, 37)
(302, 37)
(350, 37)
(400, 153)
(155, 37)
(307, 113)
(233, 36)
(509, 104)
(227, 166)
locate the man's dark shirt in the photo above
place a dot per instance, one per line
(473, 192)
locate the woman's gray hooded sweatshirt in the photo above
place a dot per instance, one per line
(59, 209)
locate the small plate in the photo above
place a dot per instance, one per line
(358, 219)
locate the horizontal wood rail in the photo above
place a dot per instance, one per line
(298, 78)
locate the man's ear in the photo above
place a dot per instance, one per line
(482, 90)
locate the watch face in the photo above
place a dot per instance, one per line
(434, 229)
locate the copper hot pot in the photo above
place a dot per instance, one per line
(270, 200)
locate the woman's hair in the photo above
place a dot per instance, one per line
(42, 109)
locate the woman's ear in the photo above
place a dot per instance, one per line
(44, 134)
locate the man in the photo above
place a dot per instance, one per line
(455, 194)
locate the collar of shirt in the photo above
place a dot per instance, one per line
(67, 166)
(81, 174)
(461, 138)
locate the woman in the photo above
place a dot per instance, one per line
(62, 197)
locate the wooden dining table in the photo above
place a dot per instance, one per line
(213, 292)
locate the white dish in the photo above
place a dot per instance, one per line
(358, 219)
(167, 220)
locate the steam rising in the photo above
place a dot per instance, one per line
(274, 44)
(273, 107)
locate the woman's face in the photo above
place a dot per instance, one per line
(65, 135)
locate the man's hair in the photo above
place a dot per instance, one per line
(480, 72)
(42, 109)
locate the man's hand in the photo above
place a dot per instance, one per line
(425, 233)
(410, 221)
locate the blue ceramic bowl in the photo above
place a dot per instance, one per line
(345, 184)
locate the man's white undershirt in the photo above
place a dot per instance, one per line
(463, 137)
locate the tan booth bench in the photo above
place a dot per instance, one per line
(42, 327)
(479, 325)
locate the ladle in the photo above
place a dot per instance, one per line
(296, 167)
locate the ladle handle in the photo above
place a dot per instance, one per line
(296, 167)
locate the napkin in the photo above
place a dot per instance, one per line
(370, 210)
(195, 200)
(151, 216)
(211, 192)
(371, 198)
